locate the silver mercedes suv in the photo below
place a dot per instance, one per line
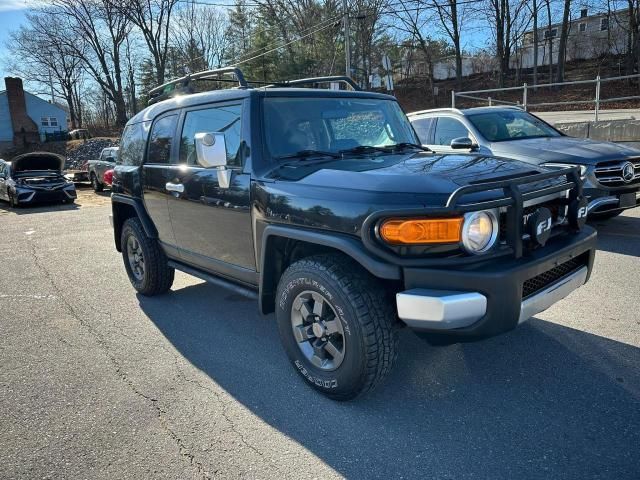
(611, 171)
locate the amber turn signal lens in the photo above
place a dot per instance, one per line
(422, 231)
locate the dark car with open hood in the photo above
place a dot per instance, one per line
(322, 205)
(33, 178)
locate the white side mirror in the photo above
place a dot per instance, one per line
(211, 151)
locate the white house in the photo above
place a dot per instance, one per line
(590, 36)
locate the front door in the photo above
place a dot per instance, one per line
(156, 175)
(447, 129)
(212, 225)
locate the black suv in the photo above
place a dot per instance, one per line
(323, 204)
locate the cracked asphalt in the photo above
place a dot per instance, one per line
(97, 382)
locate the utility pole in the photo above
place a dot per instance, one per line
(347, 40)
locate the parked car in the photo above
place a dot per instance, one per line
(76, 176)
(35, 177)
(322, 205)
(96, 168)
(79, 134)
(611, 171)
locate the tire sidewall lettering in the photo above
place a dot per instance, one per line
(324, 380)
(314, 284)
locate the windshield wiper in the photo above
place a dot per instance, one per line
(406, 145)
(302, 154)
(364, 149)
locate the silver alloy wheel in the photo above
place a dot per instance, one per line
(318, 330)
(136, 259)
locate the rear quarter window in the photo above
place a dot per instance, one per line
(133, 144)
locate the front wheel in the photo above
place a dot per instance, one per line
(97, 186)
(144, 260)
(12, 201)
(336, 325)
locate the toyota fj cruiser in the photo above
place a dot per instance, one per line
(322, 204)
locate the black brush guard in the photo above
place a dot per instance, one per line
(514, 199)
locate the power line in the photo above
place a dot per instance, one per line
(324, 24)
(285, 44)
(227, 5)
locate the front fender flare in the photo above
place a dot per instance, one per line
(140, 211)
(343, 243)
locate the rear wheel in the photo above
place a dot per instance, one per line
(144, 260)
(336, 325)
(97, 186)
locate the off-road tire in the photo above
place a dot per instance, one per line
(95, 183)
(367, 315)
(158, 275)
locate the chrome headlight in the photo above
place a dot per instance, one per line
(557, 166)
(479, 231)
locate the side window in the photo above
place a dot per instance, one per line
(422, 127)
(225, 119)
(447, 129)
(161, 139)
(133, 143)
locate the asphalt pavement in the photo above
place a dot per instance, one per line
(98, 382)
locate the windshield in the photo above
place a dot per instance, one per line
(500, 126)
(332, 125)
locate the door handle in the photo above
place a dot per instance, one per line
(174, 187)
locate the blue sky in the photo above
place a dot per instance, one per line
(12, 15)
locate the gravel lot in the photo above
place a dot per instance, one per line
(97, 382)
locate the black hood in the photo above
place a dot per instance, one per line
(412, 173)
(38, 161)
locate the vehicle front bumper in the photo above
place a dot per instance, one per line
(78, 176)
(482, 300)
(24, 196)
(601, 200)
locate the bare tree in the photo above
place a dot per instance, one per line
(153, 18)
(562, 47)
(450, 16)
(102, 29)
(549, 36)
(414, 18)
(367, 18)
(41, 54)
(509, 20)
(131, 76)
(534, 16)
(204, 31)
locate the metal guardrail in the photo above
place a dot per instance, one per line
(525, 104)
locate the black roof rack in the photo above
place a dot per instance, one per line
(315, 80)
(183, 85)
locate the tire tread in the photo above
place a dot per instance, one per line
(160, 276)
(374, 314)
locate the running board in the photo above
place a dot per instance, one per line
(215, 280)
